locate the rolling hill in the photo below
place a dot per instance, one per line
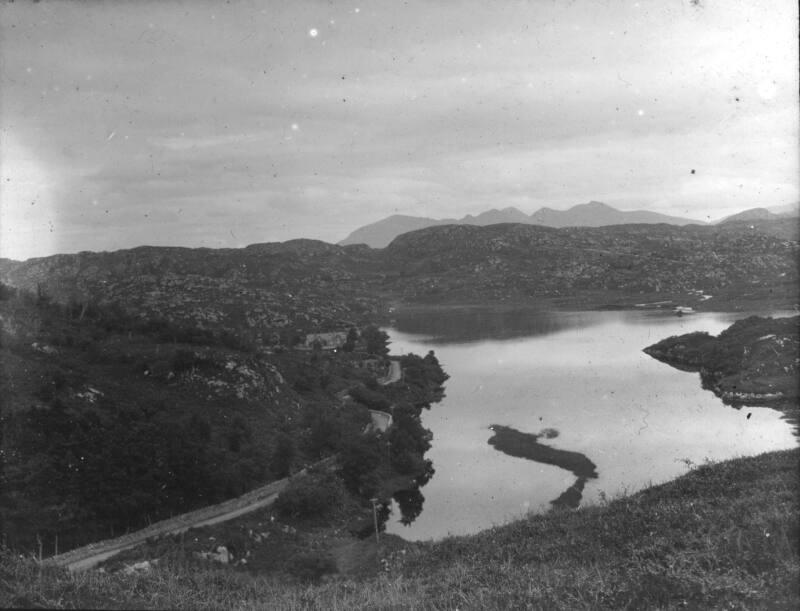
(269, 292)
(753, 214)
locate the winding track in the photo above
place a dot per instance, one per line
(395, 373)
(89, 556)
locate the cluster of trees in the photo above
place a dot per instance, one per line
(309, 496)
(375, 341)
(368, 462)
(85, 473)
(75, 468)
(92, 320)
(423, 381)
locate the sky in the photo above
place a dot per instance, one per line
(221, 124)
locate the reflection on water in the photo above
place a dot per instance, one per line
(471, 323)
(582, 374)
(410, 504)
(526, 445)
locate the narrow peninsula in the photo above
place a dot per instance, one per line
(753, 362)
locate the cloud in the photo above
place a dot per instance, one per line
(419, 108)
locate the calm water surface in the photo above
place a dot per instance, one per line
(582, 373)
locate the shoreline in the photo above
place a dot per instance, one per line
(605, 301)
(751, 363)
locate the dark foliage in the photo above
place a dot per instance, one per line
(79, 464)
(359, 460)
(310, 496)
(350, 343)
(372, 399)
(409, 440)
(410, 503)
(101, 469)
(375, 340)
(7, 292)
(283, 455)
(311, 567)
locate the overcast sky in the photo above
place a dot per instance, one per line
(223, 124)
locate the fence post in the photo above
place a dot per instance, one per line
(375, 517)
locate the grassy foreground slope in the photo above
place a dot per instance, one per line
(722, 536)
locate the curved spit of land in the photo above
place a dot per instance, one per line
(88, 556)
(754, 362)
(526, 445)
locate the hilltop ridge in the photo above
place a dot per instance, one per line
(269, 291)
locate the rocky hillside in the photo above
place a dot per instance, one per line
(111, 421)
(266, 291)
(522, 261)
(272, 293)
(753, 362)
(108, 423)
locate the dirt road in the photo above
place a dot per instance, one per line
(89, 556)
(394, 374)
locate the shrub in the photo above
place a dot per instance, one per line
(359, 459)
(371, 398)
(310, 496)
(311, 567)
(282, 455)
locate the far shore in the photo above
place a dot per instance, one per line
(730, 302)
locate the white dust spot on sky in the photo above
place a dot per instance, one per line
(767, 90)
(313, 32)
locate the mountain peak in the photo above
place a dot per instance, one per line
(591, 214)
(595, 205)
(753, 214)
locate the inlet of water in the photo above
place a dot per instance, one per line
(583, 374)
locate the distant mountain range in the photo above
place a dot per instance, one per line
(594, 214)
(756, 214)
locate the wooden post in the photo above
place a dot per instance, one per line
(375, 517)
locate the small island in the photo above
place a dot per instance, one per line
(753, 362)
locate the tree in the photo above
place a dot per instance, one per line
(409, 439)
(310, 496)
(282, 456)
(410, 503)
(358, 461)
(377, 341)
(350, 343)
